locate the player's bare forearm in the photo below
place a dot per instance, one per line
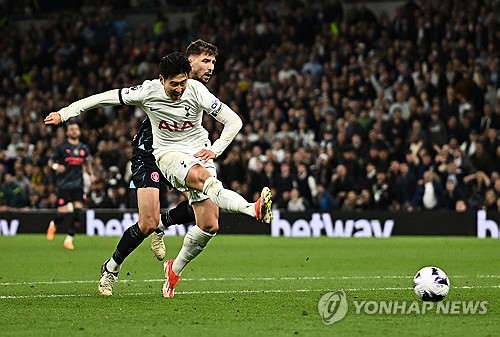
(53, 118)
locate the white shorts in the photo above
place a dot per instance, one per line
(175, 167)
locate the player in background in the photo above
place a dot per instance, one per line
(68, 161)
(202, 57)
(184, 154)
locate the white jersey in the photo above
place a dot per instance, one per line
(176, 124)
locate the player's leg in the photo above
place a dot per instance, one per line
(182, 213)
(55, 223)
(198, 236)
(64, 208)
(195, 241)
(199, 178)
(149, 214)
(76, 209)
(184, 171)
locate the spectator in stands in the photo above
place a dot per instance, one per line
(405, 187)
(365, 201)
(314, 67)
(490, 200)
(436, 130)
(461, 206)
(287, 74)
(34, 200)
(491, 143)
(98, 196)
(232, 168)
(429, 193)
(367, 75)
(340, 184)
(13, 193)
(496, 185)
(296, 203)
(397, 127)
(370, 176)
(381, 192)
(324, 199)
(481, 160)
(284, 182)
(306, 184)
(476, 183)
(469, 146)
(21, 180)
(452, 194)
(425, 163)
(350, 202)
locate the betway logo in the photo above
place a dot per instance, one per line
(7, 229)
(116, 227)
(322, 223)
(112, 227)
(484, 226)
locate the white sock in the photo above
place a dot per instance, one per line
(194, 243)
(112, 266)
(227, 199)
(68, 238)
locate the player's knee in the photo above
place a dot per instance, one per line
(197, 177)
(211, 228)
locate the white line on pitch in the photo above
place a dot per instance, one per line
(205, 279)
(222, 292)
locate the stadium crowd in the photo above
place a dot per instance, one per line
(342, 110)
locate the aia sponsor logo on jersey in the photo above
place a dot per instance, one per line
(165, 125)
(155, 176)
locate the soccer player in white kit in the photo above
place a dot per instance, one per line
(183, 151)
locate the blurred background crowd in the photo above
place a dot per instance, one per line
(342, 109)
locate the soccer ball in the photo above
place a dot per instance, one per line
(431, 284)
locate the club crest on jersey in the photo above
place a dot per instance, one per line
(75, 152)
(165, 125)
(187, 110)
(155, 176)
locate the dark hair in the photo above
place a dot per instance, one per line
(199, 47)
(174, 64)
(71, 122)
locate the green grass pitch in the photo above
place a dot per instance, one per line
(243, 286)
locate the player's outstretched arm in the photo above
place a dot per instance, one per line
(107, 98)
